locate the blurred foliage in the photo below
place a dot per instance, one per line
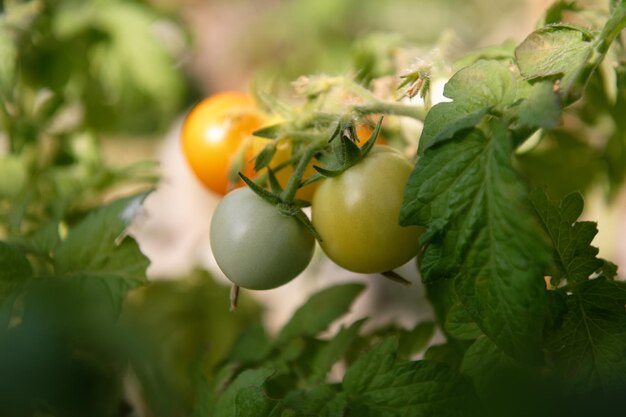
(288, 39)
(106, 61)
(71, 71)
(186, 323)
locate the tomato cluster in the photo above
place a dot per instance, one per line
(257, 240)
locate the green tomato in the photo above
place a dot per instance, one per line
(255, 245)
(357, 213)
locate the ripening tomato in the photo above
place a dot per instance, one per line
(255, 245)
(357, 214)
(214, 132)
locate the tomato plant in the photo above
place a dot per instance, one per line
(530, 317)
(357, 212)
(216, 134)
(256, 246)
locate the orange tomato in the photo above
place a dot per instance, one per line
(215, 132)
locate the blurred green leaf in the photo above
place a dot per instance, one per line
(321, 401)
(379, 360)
(333, 351)
(415, 340)
(227, 402)
(551, 163)
(96, 250)
(319, 312)
(380, 387)
(8, 59)
(251, 345)
(460, 325)
(13, 175)
(588, 348)
(253, 402)
(14, 269)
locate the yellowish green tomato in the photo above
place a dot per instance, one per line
(357, 213)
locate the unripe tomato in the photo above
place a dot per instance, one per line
(357, 213)
(213, 133)
(255, 245)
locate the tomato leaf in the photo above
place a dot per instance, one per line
(376, 385)
(42, 242)
(541, 105)
(556, 51)
(481, 234)
(322, 401)
(415, 340)
(228, 402)
(319, 312)
(379, 360)
(14, 269)
(91, 250)
(460, 325)
(589, 346)
(250, 346)
(475, 90)
(507, 387)
(254, 402)
(551, 163)
(573, 257)
(333, 351)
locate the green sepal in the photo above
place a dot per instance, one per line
(328, 172)
(274, 184)
(302, 218)
(347, 152)
(301, 203)
(238, 163)
(313, 178)
(265, 156)
(260, 191)
(371, 141)
(395, 277)
(288, 209)
(269, 132)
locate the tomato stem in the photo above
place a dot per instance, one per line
(289, 193)
(398, 109)
(395, 277)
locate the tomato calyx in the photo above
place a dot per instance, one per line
(288, 207)
(347, 152)
(395, 277)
